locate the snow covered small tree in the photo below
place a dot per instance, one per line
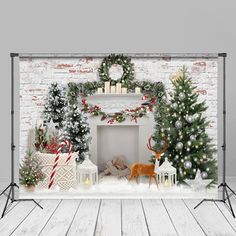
(55, 105)
(190, 147)
(30, 170)
(76, 130)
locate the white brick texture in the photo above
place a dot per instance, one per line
(37, 74)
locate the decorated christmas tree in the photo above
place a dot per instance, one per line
(190, 148)
(76, 130)
(55, 105)
(30, 170)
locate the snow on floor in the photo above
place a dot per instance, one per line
(111, 187)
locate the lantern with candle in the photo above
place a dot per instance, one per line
(87, 173)
(166, 174)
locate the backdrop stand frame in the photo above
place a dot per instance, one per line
(11, 194)
(225, 187)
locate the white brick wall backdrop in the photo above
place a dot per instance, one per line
(37, 74)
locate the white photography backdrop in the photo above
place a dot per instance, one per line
(107, 136)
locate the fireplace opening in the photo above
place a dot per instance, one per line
(114, 141)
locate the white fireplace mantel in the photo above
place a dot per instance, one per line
(116, 102)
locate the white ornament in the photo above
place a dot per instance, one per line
(179, 145)
(192, 137)
(198, 184)
(174, 105)
(182, 96)
(178, 124)
(189, 119)
(204, 174)
(187, 164)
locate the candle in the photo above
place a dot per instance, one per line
(137, 90)
(124, 90)
(99, 91)
(118, 88)
(166, 183)
(87, 183)
(107, 87)
(113, 89)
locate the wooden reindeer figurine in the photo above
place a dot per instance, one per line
(140, 169)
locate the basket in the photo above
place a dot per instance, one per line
(65, 176)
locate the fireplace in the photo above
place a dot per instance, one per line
(131, 135)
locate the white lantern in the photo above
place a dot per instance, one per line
(166, 174)
(87, 173)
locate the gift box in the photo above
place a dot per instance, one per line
(65, 176)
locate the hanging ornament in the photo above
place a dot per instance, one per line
(204, 174)
(182, 96)
(187, 164)
(188, 149)
(192, 137)
(189, 143)
(178, 124)
(189, 119)
(174, 105)
(179, 145)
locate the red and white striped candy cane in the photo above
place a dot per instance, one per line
(52, 176)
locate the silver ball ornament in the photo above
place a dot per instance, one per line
(192, 137)
(189, 143)
(178, 124)
(189, 119)
(179, 145)
(204, 174)
(187, 164)
(174, 105)
(182, 96)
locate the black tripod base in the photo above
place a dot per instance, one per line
(11, 199)
(225, 188)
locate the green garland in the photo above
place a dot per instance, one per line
(125, 62)
(134, 114)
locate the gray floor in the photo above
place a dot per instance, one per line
(117, 217)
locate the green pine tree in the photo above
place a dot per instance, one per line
(30, 170)
(55, 105)
(73, 93)
(76, 130)
(190, 147)
(161, 117)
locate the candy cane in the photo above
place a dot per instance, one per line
(52, 176)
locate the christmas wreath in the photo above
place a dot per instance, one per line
(120, 59)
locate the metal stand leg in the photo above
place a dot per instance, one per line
(12, 185)
(223, 185)
(8, 197)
